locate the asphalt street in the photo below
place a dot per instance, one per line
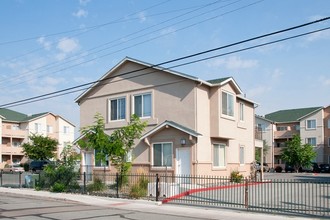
(26, 204)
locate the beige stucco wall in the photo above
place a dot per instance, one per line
(180, 100)
(317, 133)
(172, 97)
(326, 135)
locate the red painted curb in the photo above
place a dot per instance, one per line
(192, 191)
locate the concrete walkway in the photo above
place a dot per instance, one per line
(149, 206)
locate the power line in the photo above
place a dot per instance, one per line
(86, 28)
(77, 57)
(67, 90)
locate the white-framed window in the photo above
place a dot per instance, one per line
(49, 129)
(142, 105)
(241, 111)
(227, 104)
(241, 154)
(162, 154)
(66, 129)
(329, 123)
(16, 144)
(15, 127)
(329, 142)
(117, 109)
(311, 141)
(281, 128)
(311, 124)
(219, 155)
(98, 162)
(37, 127)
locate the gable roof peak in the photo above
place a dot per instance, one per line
(291, 115)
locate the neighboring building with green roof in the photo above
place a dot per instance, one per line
(16, 128)
(308, 123)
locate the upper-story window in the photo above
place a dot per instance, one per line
(241, 111)
(227, 104)
(281, 128)
(37, 127)
(66, 129)
(49, 129)
(311, 141)
(117, 109)
(297, 127)
(329, 123)
(15, 127)
(311, 124)
(142, 105)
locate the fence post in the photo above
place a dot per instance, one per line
(157, 187)
(246, 193)
(20, 179)
(84, 191)
(117, 185)
(1, 177)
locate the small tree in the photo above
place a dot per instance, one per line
(115, 146)
(296, 154)
(62, 175)
(40, 147)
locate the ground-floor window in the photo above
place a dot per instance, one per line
(241, 154)
(219, 155)
(99, 162)
(162, 154)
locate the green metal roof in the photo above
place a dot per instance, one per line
(217, 81)
(10, 115)
(290, 115)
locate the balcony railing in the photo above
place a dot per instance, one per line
(14, 133)
(284, 134)
(5, 149)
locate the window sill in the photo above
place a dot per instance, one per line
(219, 168)
(231, 118)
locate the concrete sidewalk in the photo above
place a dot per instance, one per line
(148, 206)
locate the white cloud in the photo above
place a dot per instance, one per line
(68, 45)
(45, 44)
(80, 13)
(170, 30)
(319, 36)
(233, 63)
(142, 17)
(277, 73)
(84, 2)
(259, 90)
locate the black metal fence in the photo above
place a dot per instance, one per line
(306, 197)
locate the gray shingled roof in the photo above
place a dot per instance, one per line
(217, 81)
(291, 115)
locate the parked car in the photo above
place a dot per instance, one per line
(324, 168)
(12, 168)
(278, 169)
(38, 165)
(265, 167)
(289, 168)
(314, 167)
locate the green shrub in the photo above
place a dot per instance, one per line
(236, 177)
(96, 186)
(139, 189)
(58, 187)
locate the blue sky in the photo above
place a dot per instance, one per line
(46, 46)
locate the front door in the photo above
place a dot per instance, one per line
(183, 162)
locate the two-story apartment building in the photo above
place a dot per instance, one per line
(194, 126)
(16, 128)
(308, 123)
(326, 123)
(266, 128)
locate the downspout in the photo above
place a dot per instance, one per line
(196, 144)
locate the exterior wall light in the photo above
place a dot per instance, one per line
(183, 141)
